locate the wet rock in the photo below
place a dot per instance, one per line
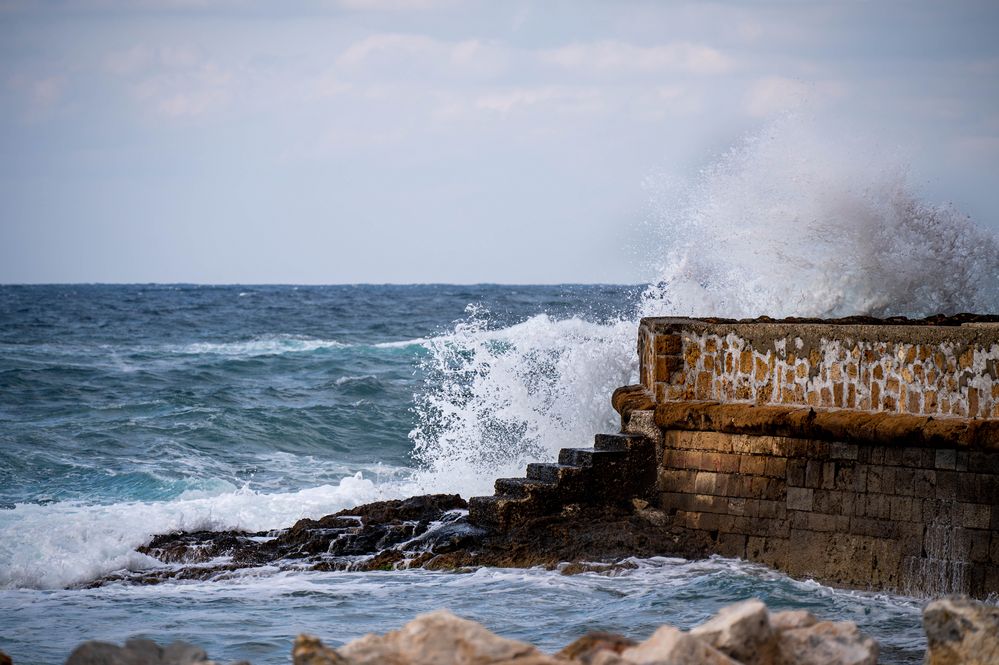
(672, 646)
(742, 631)
(441, 638)
(827, 643)
(309, 650)
(139, 652)
(368, 537)
(586, 649)
(5, 659)
(792, 619)
(961, 631)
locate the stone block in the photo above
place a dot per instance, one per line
(776, 467)
(732, 545)
(828, 475)
(796, 472)
(753, 465)
(976, 516)
(668, 344)
(799, 498)
(947, 483)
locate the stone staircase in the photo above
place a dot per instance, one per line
(617, 468)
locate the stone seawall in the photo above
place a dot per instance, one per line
(919, 370)
(860, 455)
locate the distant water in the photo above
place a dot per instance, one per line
(127, 411)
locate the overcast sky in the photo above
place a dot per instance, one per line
(439, 140)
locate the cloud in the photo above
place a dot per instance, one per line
(611, 57)
(393, 5)
(775, 94)
(400, 55)
(555, 98)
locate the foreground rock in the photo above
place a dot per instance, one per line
(743, 634)
(960, 631)
(139, 652)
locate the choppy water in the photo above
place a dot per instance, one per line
(134, 410)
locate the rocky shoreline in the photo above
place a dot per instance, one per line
(959, 631)
(430, 531)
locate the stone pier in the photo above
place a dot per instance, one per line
(858, 453)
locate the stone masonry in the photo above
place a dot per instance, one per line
(920, 370)
(858, 453)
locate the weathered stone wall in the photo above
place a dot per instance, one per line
(921, 370)
(860, 455)
(916, 520)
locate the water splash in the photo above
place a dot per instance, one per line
(496, 399)
(797, 222)
(790, 222)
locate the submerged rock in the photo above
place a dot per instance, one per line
(139, 652)
(961, 631)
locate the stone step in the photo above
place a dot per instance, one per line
(589, 457)
(523, 487)
(500, 512)
(608, 442)
(553, 473)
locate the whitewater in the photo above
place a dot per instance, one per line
(128, 411)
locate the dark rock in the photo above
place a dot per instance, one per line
(370, 537)
(139, 652)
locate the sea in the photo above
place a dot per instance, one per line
(128, 411)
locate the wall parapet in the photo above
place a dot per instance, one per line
(885, 367)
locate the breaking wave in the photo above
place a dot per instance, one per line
(791, 222)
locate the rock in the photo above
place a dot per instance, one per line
(586, 648)
(961, 631)
(670, 646)
(441, 638)
(5, 659)
(792, 619)
(742, 631)
(827, 643)
(138, 652)
(309, 650)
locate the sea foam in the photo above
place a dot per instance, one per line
(65, 543)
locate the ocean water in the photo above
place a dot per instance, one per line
(134, 410)
(128, 411)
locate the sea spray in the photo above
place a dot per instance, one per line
(791, 222)
(496, 399)
(795, 221)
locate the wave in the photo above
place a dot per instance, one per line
(495, 399)
(69, 543)
(793, 221)
(261, 346)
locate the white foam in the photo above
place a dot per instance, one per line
(797, 221)
(61, 544)
(495, 400)
(261, 346)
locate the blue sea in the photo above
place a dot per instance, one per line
(129, 411)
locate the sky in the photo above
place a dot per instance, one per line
(349, 141)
